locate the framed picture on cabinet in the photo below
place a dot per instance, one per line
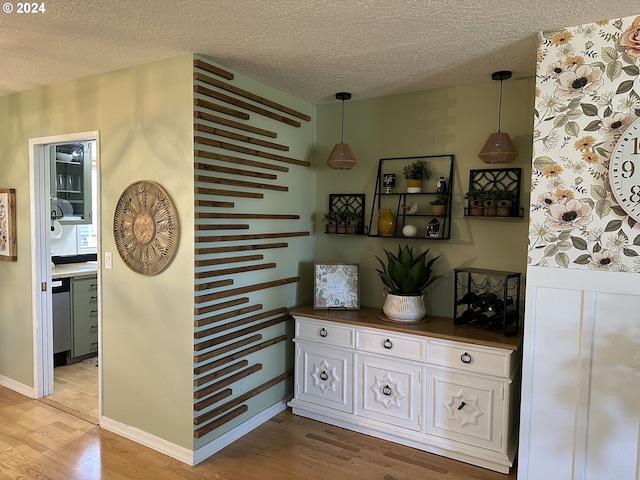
(336, 286)
(8, 244)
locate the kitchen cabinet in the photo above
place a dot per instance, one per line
(71, 183)
(84, 316)
(435, 386)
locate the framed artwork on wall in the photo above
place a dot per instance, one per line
(8, 244)
(336, 286)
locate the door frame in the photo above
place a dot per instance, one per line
(40, 194)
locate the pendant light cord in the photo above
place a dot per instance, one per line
(500, 106)
(342, 126)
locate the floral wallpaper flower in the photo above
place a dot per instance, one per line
(587, 94)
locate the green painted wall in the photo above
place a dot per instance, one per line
(452, 120)
(144, 115)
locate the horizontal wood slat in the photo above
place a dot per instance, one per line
(202, 103)
(202, 357)
(234, 171)
(236, 270)
(199, 287)
(279, 216)
(201, 77)
(227, 315)
(227, 193)
(220, 373)
(202, 90)
(239, 183)
(249, 151)
(246, 289)
(219, 283)
(222, 261)
(233, 124)
(238, 248)
(237, 334)
(204, 392)
(240, 161)
(214, 204)
(255, 236)
(207, 67)
(242, 398)
(220, 421)
(240, 138)
(237, 323)
(235, 356)
(226, 226)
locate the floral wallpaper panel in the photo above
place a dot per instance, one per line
(587, 94)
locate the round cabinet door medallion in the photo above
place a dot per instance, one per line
(624, 171)
(145, 226)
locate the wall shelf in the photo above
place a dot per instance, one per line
(489, 181)
(413, 209)
(352, 203)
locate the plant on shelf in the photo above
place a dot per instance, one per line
(330, 220)
(504, 203)
(406, 278)
(348, 220)
(415, 173)
(491, 202)
(439, 204)
(476, 200)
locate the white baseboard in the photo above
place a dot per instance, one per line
(21, 388)
(143, 438)
(184, 454)
(232, 435)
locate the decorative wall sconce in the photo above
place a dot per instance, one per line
(499, 148)
(341, 157)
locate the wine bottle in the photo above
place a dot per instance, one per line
(498, 324)
(498, 304)
(468, 298)
(484, 300)
(483, 318)
(468, 316)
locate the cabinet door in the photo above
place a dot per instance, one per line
(324, 376)
(465, 408)
(389, 390)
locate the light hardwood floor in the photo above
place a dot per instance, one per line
(38, 441)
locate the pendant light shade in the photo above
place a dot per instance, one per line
(499, 148)
(341, 156)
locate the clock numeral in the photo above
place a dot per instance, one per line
(635, 146)
(628, 168)
(635, 193)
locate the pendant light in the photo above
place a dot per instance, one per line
(499, 148)
(341, 157)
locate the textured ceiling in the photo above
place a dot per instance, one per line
(310, 48)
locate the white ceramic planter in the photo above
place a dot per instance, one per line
(404, 308)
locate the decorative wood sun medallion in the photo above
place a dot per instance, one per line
(145, 226)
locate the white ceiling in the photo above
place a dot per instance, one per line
(310, 48)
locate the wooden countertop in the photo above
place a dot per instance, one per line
(435, 327)
(74, 270)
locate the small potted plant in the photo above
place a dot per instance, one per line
(476, 202)
(505, 201)
(406, 278)
(415, 173)
(439, 204)
(330, 220)
(491, 202)
(351, 220)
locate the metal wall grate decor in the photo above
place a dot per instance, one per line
(351, 203)
(498, 185)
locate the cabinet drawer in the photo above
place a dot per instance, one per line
(325, 332)
(390, 344)
(84, 345)
(85, 290)
(471, 358)
(85, 320)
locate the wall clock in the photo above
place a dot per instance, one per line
(624, 171)
(145, 226)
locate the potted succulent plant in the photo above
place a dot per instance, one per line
(415, 173)
(476, 202)
(505, 201)
(351, 220)
(406, 278)
(330, 220)
(491, 202)
(439, 204)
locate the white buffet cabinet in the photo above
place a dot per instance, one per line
(444, 389)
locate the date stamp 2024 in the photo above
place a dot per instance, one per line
(24, 7)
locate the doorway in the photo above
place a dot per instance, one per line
(44, 220)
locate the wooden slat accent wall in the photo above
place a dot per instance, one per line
(237, 173)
